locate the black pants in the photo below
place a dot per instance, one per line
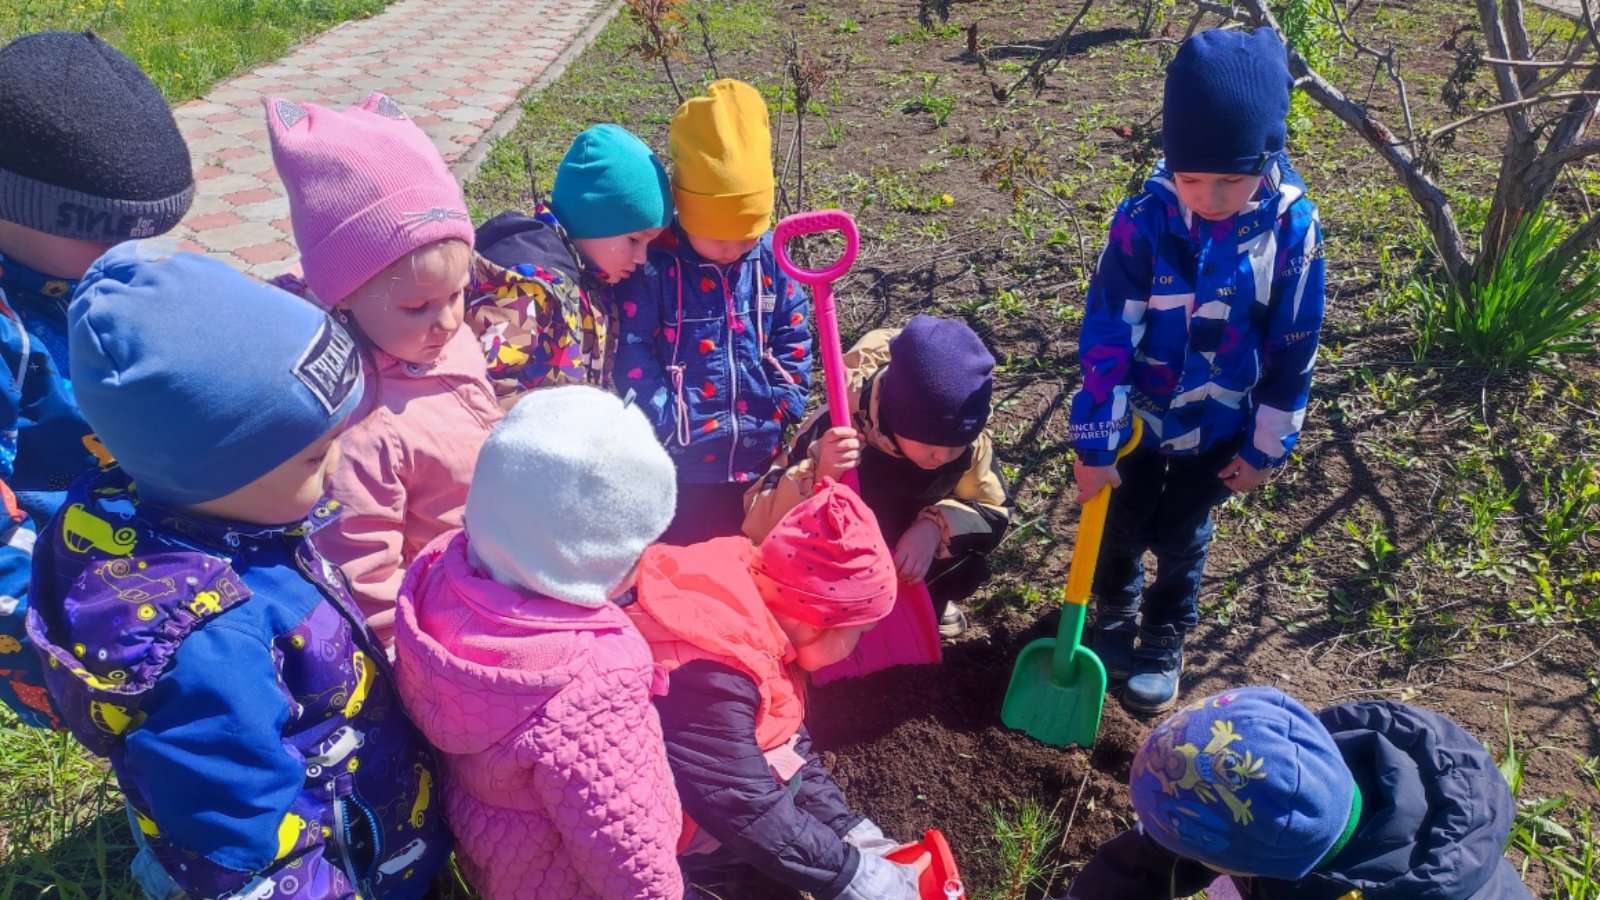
(1163, 506)
(706, 511)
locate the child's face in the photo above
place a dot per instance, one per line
(286, 494)
(617, 257)
(721, 252)
(414, 307)
(816, 647)
(1216, 197)
(928, 456)
(62, 257)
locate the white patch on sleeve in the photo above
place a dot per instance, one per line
(1274, 427)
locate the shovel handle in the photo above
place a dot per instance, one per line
(1091, 528)
(821, 282)
(817, 222)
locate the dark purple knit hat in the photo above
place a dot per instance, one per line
(938, 385)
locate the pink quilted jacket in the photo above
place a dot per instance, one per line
(405, 467)
(556, 780)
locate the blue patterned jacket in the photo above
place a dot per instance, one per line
(247, 712)
(1205, 330)
(718, 357)
(44, 445)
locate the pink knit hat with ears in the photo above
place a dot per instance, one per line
(827, 563)
(366, 186)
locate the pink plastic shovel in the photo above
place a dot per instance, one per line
(909, 635)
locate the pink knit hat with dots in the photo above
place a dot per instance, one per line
(366, 186)
(827, 562)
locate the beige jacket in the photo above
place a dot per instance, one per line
(976, 509)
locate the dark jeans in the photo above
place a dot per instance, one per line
(955, 579)
(1163, 506)
(706, 511)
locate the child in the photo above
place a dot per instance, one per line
(194, 636)
(89, 156)
(919, 401)
(715, 342)
(727, 621)
(520, 668)
(1368, 799)
(540, 300)
(386, 243)
(1202, 320)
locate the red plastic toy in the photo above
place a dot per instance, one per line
(941, 881)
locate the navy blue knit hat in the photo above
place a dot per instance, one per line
(88, 147)
(1226, 102)
(1247, 781)
(198, 379)
(938, 385)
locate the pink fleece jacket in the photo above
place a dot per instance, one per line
(405, 465)
(556, 780)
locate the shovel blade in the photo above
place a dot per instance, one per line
(1056, 714)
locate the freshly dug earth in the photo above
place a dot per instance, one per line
(922, 747)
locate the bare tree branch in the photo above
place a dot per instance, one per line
(1443, 130)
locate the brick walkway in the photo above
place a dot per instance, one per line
(456, 66)
(1565, 7)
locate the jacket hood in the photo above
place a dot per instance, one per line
(506, 654)
(514, 239)
(1436, 810)
(1282, 187)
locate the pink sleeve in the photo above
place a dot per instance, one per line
(368, 540)
(601, 773)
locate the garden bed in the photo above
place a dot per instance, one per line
(1396, 555)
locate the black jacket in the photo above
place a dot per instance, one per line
(793, 833)
(1435, 817)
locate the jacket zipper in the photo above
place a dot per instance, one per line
(341, 838)
(733, 374)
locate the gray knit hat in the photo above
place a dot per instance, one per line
(88, 147)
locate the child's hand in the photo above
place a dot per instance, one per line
(1092, 478)
(838, 452)
(1241, 477)
(914, 554)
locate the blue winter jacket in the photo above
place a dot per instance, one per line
(44, 445)
(718, 357)
(1435, 817)
(1205, 330)
(246, 709)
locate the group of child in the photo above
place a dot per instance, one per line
(340, 586)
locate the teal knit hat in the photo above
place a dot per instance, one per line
(610, 183)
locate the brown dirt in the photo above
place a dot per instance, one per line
(1285, 601)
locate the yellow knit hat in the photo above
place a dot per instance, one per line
(722, 163)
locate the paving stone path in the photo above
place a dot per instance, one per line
(456, 66)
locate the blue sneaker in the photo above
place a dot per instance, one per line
(1153, 679)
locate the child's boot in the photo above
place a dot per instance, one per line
(1153, 677)
(1114, 633)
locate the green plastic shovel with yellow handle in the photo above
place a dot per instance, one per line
(1058, 686)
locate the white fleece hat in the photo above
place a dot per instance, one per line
(570, 488)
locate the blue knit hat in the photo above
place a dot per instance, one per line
(197, 379)
(1248, 781)
(938, 385)
(610, 183)
(1226, 102)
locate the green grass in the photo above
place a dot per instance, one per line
(188, 45)
(63, 832)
